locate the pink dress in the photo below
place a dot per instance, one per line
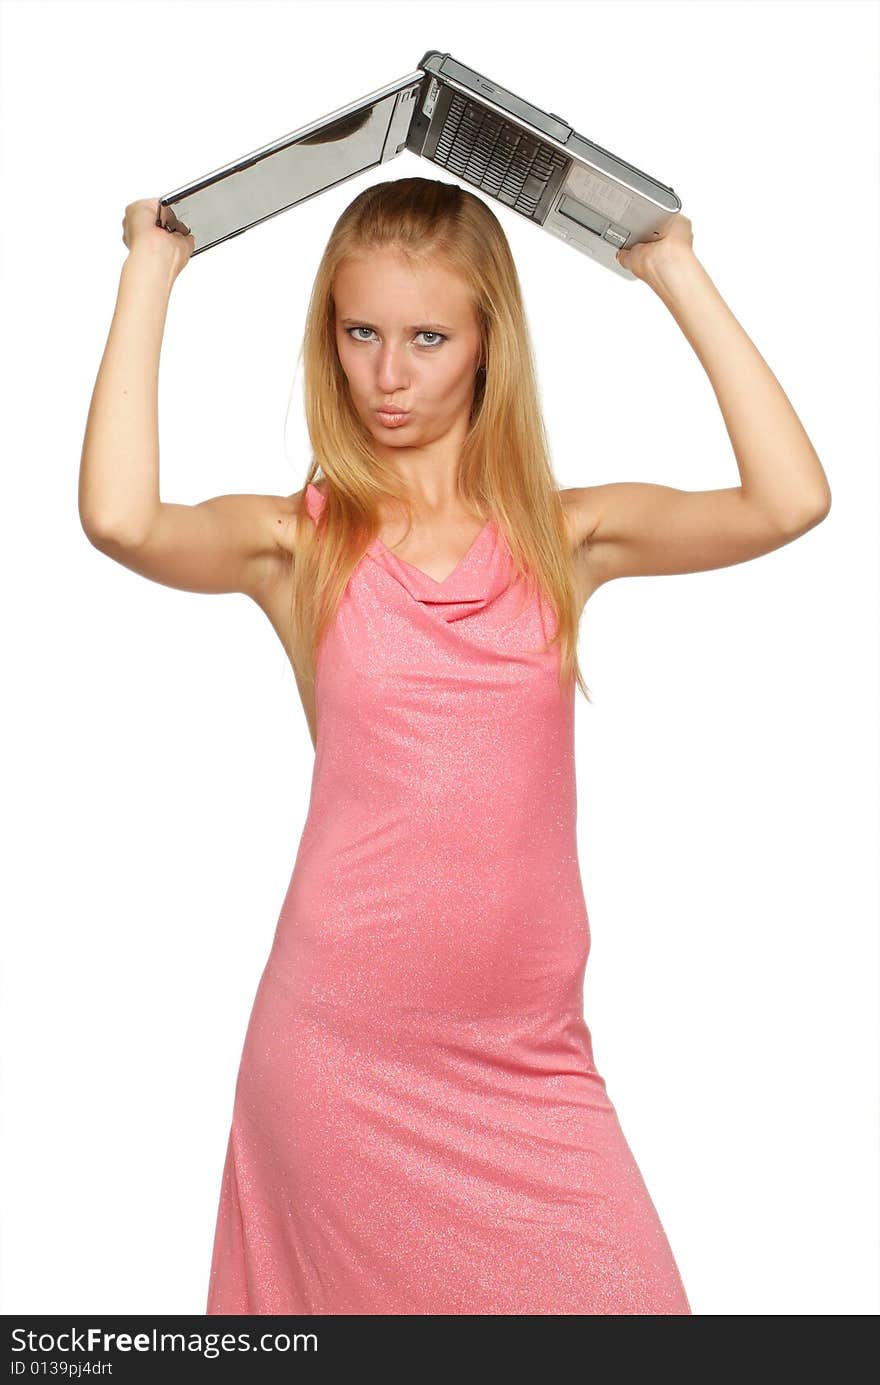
(418, 1124)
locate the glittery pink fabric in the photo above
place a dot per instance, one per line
(419, 1126)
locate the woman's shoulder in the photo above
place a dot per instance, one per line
(289, 507)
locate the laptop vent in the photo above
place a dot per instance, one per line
(496, 156)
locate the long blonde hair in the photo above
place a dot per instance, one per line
(504, 467)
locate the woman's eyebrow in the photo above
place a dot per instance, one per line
(414, 327)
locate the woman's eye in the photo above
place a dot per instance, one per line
(438, 336)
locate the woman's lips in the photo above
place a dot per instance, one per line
(390, 420)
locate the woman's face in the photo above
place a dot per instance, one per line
(406, 337)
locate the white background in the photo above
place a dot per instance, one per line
(157, 761)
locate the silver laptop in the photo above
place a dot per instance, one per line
(528, 159)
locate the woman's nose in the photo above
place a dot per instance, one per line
(391, 371)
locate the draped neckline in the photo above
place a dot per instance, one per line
(467, 556)
(479, 575)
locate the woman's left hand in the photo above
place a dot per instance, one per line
(642, 258)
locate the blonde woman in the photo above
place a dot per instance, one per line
(419, 1126)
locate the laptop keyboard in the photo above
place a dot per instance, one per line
(496, 156)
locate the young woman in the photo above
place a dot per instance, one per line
(419, 1126)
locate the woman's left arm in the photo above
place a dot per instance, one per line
(639, 528)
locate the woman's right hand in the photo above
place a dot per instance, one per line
(139, 230)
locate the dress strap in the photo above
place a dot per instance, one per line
(315, 501)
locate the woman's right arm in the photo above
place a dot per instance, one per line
(229, 543)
